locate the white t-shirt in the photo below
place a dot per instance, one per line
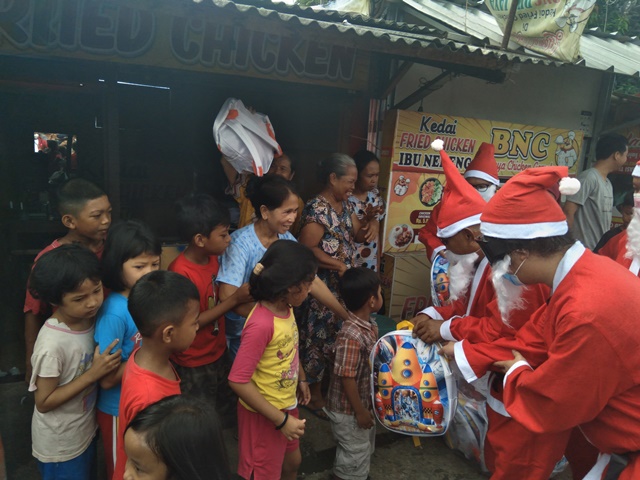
(64, 433)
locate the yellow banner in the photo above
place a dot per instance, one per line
(411, 171)
(550, 27)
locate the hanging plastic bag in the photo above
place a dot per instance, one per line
(247, 139)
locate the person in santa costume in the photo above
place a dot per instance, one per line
(482, 175)
(474, 313)
(576, 363)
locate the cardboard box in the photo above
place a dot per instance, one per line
(169, 253)
(405, 284)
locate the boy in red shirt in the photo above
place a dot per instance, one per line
(85, 212)
(204, 367)
(164, 307)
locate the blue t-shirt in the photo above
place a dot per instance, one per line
(239, 259)
(114, 321)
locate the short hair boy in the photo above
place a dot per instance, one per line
(66, 365)
(205, 366)
(86, 213)
(349, 389)
(164, 307)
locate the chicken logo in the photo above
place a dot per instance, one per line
(567, 150)
(401, 186)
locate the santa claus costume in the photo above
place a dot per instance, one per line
(590, 378)
(484, 167)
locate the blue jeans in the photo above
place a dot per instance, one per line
(83, 467)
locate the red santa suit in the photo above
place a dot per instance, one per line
(591, 377)
(428, 235)
(616, 249)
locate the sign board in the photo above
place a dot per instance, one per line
(411, 175)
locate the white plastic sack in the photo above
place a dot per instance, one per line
(247, 139)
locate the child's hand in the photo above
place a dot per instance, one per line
(294, 428)
(304, 394)
(242, 294)
(504, 365)
(365, 419)
(105, 362)
(447, 351)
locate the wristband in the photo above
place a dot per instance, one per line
(303, 381)
(286, 417)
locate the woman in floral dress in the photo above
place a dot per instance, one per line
(368, 203)
(330, 228)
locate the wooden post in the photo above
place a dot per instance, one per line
(509, 26)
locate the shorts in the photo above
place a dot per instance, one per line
(83, 467)
(210, 384)
(355, 446)
(261, 448)
(109, 431)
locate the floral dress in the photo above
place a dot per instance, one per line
(367, 252)
(318, 325)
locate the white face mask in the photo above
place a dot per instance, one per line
(462, 268)
(488, 193)
(508, 293)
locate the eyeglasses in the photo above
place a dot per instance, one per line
(482, 188)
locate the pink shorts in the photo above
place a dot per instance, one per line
(261, 448)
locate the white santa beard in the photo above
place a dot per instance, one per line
(633, 236)
(461, 271)
(509, 295)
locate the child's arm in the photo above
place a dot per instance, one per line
(364, 417)
(321, 292)
(303, 394)
(114, 378)
(249, 393)
(243, 308)
(239, 297)
(49, 395)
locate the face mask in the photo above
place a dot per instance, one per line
(488, 193)
(513, 277)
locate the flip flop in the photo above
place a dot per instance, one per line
(318, 412)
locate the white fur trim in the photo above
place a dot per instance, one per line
(524, 231)
(445, 331)
(437, 144)
(482, 175)
(636, 171)
(451, 230)
(514, 367)
(463, 364)
(433, 313)
(569, 186)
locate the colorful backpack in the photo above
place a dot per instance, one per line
(440, 281)
(412, 386)
(246, 138)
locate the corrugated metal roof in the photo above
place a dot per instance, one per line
(599, 50)
(382, 36)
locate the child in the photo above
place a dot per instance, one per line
(176, 438)
(86, 213)
(130, 252)
(349, 398)
(267, 372)
(205, 366)
(64, 376)
(164, 307)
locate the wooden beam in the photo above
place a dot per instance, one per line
(423, 91)
(509, 26)
(393, 82)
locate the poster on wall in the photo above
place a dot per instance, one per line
(550, 27)
(411, 174)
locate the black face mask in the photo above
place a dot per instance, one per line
(493, 250)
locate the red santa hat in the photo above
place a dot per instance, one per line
(461, 203)
(484, 164)
(636, 170)
(523, 207)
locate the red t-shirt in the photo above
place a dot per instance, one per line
(33, 304)
(140, 388)
(207, 346)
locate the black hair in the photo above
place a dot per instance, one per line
(126, 240)
(185, 434)
(609, 144)
(292, 163)
(270, 191)
(497, 248)
(286, 264)
(74, 195)
(357, 286)
(337, 163)
(62, 270)
(200, 213)
(627, 200)
(160, 297)
(364, 158)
